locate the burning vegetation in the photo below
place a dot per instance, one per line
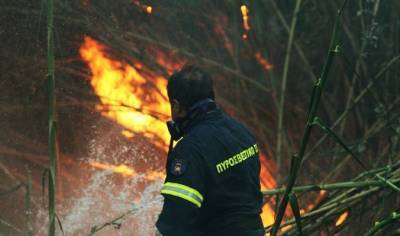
(136, 102)
(111, 66)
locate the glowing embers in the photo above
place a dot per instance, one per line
(149, 9)
(136, 102)
(245, 17)
(342, 218)
(263, 62)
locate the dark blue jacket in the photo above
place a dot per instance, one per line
(212, 185)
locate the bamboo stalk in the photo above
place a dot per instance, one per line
(346, 205)
(318, 122)
(11, 190)
(327, 187)
(283, 92)
(375, 128)
(7, 172)
(355, 74)
(296, 212)
(356, 100)
(334, 206)
(379, 225)
(28, 208)
(342, 197)
(316, 95)
(11, 225)
(52, 121)
(344, 200)
(295, 43)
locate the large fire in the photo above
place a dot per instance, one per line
(127, 98)
(124, 96)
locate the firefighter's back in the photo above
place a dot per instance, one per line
(230, 157)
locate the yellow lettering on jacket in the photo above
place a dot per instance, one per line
(237, 158)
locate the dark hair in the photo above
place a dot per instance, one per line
(190, 85)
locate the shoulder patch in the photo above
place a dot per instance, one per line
(178, 167)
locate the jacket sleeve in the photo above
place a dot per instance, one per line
(183, 192)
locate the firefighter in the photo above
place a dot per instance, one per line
(212, 184)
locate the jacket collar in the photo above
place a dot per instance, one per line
(208, 116)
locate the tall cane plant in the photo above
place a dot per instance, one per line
(52, 117)
(312, 120)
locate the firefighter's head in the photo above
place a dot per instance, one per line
(186, 87)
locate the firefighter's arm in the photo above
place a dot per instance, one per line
(183, 192)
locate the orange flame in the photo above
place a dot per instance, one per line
(245, 12)
(168, 61)
(267, 167)
(267, 182)
(245, 16)
(220, 26)
(122, 169)
(320, 196)
(266, 64)
(267, 215)
(126, 171)
(149, 9)
(124, 97)
(342, 218)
